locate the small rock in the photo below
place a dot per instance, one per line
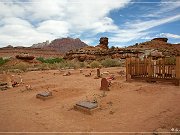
(111, 112)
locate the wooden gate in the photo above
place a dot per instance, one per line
(164, 69)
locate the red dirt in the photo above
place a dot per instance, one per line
(128, 107)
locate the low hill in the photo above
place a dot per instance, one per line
(36, 52)
(161, 45)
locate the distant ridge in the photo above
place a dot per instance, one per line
(62, 45)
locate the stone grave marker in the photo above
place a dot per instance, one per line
(44, 95)
(86, 107)
(98, 73)
(128, 78)
(81, 71)
(104, 84)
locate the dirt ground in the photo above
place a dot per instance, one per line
(135, 106)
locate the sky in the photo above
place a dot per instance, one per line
(124, 22)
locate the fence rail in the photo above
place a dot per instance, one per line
(156, 70)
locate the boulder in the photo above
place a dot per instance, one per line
(160, 39)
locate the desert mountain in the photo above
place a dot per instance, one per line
(160, 44)
(62, 45)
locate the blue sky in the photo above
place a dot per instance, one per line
(124, 22)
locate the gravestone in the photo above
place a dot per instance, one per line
(98, 73)
(128, 78)
(104, 84)
(44, 95)
(86, 107)
(87, 104)
(81, 71)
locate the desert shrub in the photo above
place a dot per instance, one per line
(82, 64)
(43, 66)
(50, 60)
(95, 64)
(112, 48)
(21, 66)
(72, 64)
(111, 63)
(3, 61)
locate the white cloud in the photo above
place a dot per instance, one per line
(169, 35)
(54, 18)
(9, 9)
(164, 7)
(26, 23)
(56, 28)
(137, 29)
(16, 31)
(141, 25)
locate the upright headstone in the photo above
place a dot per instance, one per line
(128, 78)
(104, 84)
(81, 71)
(98, 73)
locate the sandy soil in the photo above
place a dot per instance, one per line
(128, 107)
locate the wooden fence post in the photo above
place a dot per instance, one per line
(177, 69)
(163, 67)
(128, 76)
(149, 67)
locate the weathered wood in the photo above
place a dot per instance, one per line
(149, 70)
(128, 67)
(177, 67)
(153, 69)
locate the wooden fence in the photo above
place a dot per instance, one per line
(153, 70)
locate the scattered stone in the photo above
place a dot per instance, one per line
(121, 73)
(15, 84)
(110, 103)
(2, 88)
(67, 74)
(106, 73)
(111, 112)
(88, 75)
(3, 83)
(28, 87)
(96, 77)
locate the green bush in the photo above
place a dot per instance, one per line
(3, 61)
(50, 60)
(111, 63)
(95, 64)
